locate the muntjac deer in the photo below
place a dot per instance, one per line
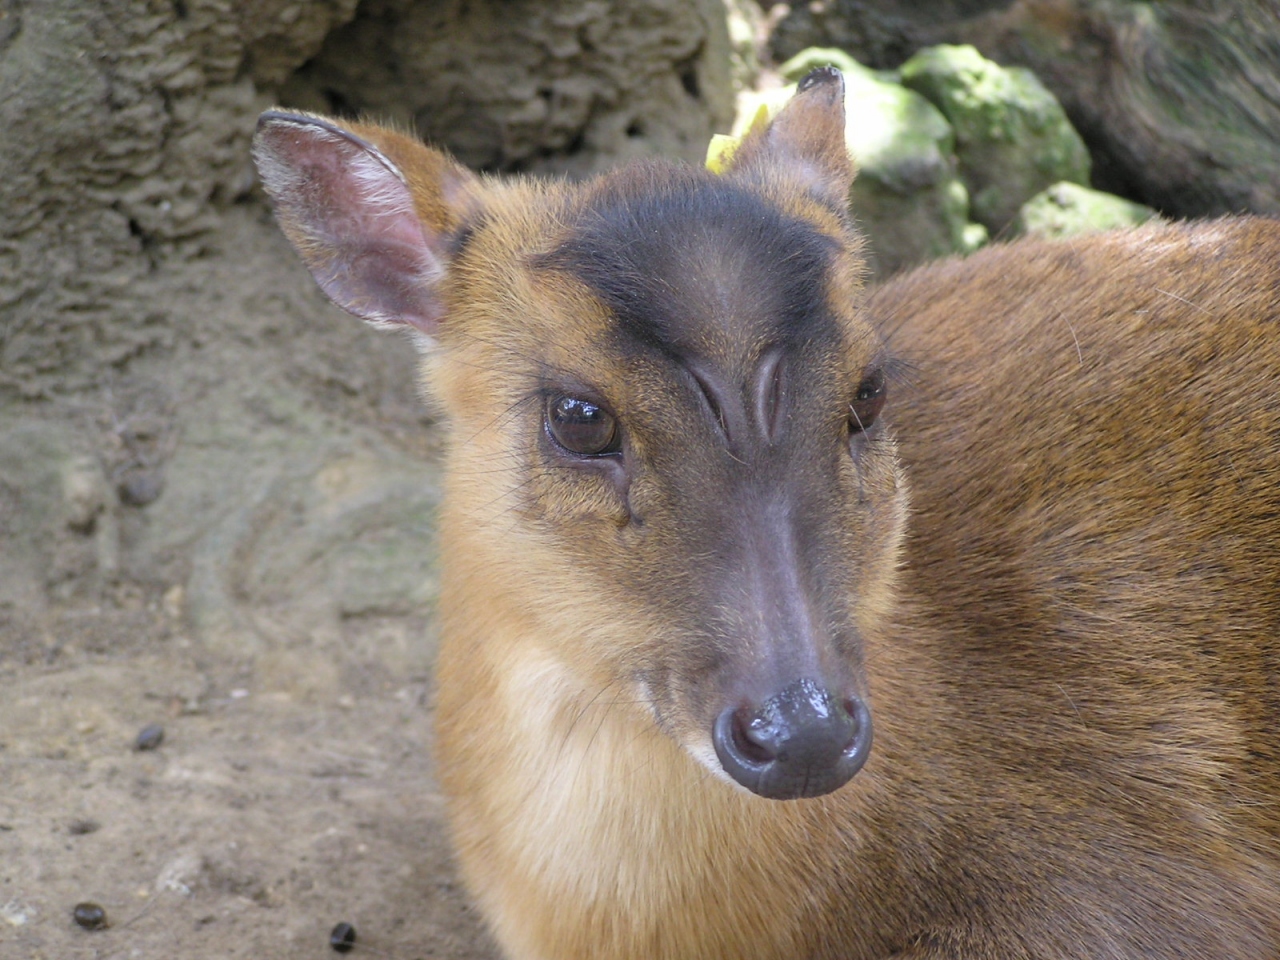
(784, 619)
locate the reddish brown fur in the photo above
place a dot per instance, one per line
(1071, 656)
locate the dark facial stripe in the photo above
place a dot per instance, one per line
(692, 263)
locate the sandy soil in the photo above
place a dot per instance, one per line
(271, 609)
(262, 820)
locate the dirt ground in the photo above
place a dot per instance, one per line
(271, 609)
(264, 818)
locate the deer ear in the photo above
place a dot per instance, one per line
(805, 141)
(369, 210)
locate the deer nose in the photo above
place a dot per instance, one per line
(801, 742)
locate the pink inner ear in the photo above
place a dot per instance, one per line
(351, 215)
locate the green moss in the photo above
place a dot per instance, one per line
(1068, 209)
(1012, 137)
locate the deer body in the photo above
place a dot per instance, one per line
(688, 568)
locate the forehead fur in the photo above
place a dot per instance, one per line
(694, 263)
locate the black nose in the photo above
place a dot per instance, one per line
(801, 742)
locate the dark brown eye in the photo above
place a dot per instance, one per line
(582, 427)
(868, 403)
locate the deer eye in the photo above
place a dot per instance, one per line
(867, 404)
(582, 427)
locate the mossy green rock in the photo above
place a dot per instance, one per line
(907, 197)
(1068, 210)
(1012, 138)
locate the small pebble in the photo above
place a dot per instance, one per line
(149, 737)
(90, 916)
(140, 489)
(78, 828)
(343, 938)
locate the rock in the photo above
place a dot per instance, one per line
(181, 874)
(881, 33)
(84, 493)
(320, 540)
(149, 737)
(746, 22)
(90, 916)
(1012, 138)
(342, 937)
(140, 487)
(57, 514)
(16, 913)
(127, 128)
(570, 87)
(1177, 100)
(1068, 210)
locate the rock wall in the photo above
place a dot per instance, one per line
(126, 129)
(1178, 101)
(170, 380)
(506, 85)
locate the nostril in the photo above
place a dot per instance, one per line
(751, 737)
(853, 710)
(859, 744)
(741, 757)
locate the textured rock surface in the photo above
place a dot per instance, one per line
(127, 125)
(523, 85)
(746, 32)
(880, 33)
(1178, 101)
(1068, 210)
(129, 121)
(1012, 138)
